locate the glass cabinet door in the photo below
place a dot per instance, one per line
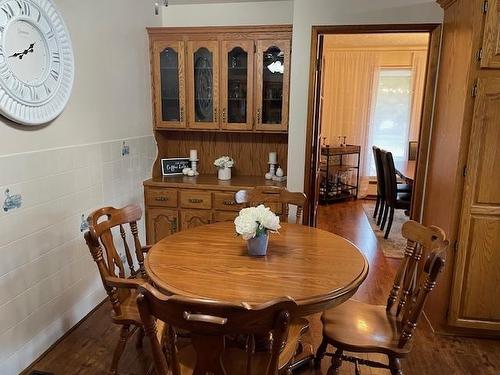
(169, 84)
(236, 84)
(273, 72)
(203, 72)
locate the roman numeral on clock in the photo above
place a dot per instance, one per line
(47, 89)
(33, 93)
(50, 35)
(24, 7)
(8, 11)
(54, 74)
(56, 57)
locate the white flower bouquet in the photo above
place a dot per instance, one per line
(224, 162)
(254, 222)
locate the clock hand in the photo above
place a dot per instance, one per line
(16, 54)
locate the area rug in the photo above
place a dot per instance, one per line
(394, 246)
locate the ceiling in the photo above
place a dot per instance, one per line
(376, 40)
(180, 2)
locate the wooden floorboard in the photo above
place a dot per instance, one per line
(88, 349)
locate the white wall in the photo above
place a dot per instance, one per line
(307, 13)
(111, 95)
(48, 280)
(229, 14)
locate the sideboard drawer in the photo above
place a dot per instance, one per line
(196, 199)
(161, 197)
(226, 202)
(225, 216)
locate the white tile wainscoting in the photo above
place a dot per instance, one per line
(47, 276)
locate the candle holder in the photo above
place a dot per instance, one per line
(272, 171)
(194, 166)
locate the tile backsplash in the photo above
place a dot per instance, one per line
(47, 277)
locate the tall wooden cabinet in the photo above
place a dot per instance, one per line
(463, 188)
(225, 78)
(221, 91)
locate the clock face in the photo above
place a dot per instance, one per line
(36, 61)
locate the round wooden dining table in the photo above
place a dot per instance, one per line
(316, 268)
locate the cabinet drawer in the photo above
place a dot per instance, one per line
(225, 216)
(226, 202)
(161, 197)
(196, 199)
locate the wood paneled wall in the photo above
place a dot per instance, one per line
(250, 151)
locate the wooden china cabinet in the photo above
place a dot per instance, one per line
(221, 91)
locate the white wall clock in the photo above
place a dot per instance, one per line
(36, 61)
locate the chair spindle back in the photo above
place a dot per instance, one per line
(101, 222)
(433, 266)
(274, 194)
(419, 240)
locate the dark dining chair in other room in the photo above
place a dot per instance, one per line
(278, 198)
(380, 205)
(210, 323)
(363, 328)
(121, 289)
(394, 199)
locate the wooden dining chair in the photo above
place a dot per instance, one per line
(394, 199)
(210, 323)
(121, 289)
(363, 328)
(275, 195)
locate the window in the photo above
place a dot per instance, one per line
(391, 113)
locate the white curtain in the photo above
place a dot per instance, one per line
(419, 68)
(347, 90)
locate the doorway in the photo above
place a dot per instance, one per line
(369, 85)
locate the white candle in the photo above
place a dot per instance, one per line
(193, 154)
(273, 158)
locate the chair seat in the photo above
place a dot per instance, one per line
(361, 327)
(128, 306)
(235, 359)
(404, 188)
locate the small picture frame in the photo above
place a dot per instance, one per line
(174, 166)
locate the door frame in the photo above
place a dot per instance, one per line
(313, 126)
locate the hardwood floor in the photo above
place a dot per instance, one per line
(88, 349)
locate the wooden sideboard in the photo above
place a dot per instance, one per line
(220, 91)
(178, 203)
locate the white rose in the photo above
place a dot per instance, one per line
(246, 226)
(271, 222)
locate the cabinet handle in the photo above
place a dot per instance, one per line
(195, 200)
(223, 114)
(174, 226)
(161, 199)
(258, 116)
(229, 203)
(182, 114)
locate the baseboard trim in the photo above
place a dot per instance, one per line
(28, 369)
